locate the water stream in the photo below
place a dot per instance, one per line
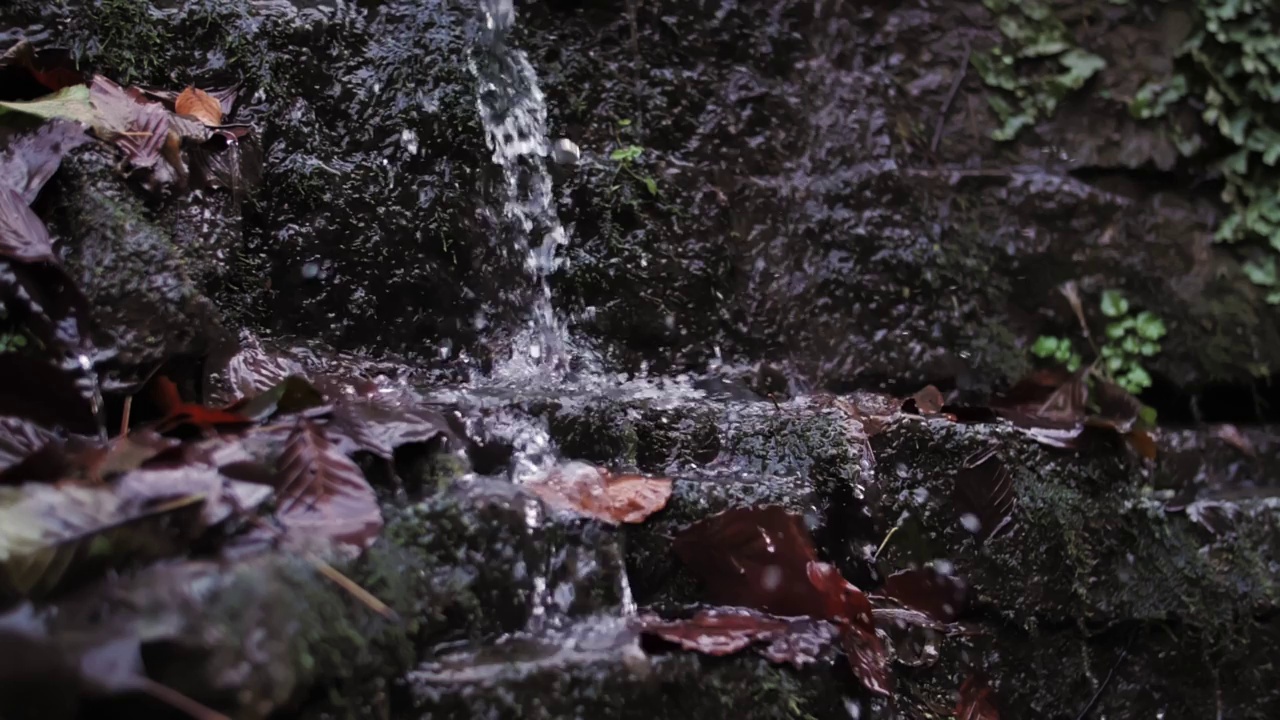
(513, 112)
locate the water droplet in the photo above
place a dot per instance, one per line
(771, 578)
(971, 523)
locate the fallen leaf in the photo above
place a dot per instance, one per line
(1231, 435)
(179, 413)
(321, 492)
(71, 103)
(941, 597)
(867, 657)
(200, 105)
(52, 536)
(30, 159)
(983, 495)
(928, 400)
(723, 631)
(23, 236)
(841, 600)
(291, 395)
(596, 493)
(977, 700)
(754, 557)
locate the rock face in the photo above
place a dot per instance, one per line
(826, 202)
(804, 213)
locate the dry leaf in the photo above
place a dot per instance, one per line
(200, 105)
(322, 492)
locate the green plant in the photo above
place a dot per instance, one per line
(626, 156)
(1129, 341)
(1236, 55)
(1021, 96)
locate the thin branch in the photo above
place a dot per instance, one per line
(1107, 680)
(951, 96)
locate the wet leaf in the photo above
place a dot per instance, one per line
(70, 103)
(941, 597)
(323, 493)
(928, 400)
(867, 657)
(20, 438)
(200, 105)
(52, 536)
(840, 599)
(179, 413)
(1231, 435)
(983, 495)
(292, 395)
(224, 496)
(23, 236)
(754, 557)
(723, 631)
(596, 493)
(30, 159)
(977, 700)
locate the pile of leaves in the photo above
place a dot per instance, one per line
(267, 472)
(771, 593)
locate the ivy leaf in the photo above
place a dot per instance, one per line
(320, 492)
(1149, 326)
(651, 185)
(1045, 346)
(1262, 273)
(1114, 304)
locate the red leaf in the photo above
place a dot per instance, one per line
(754, 557)
(724, 631)
(983, 495)
(867, 658)
(977, 700)
(178, 413)
(321, 492)
(941, 597)
(599, 494)
(840, 599)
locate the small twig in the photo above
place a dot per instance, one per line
(351, 587)
(884, 542)
(1105, 681)
(124, 421)
(177, 700)
(951, 96)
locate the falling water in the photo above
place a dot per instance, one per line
(513, 112)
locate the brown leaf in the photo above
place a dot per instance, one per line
(983, 495)
(200, 105)
(977, 700)
(754, 557)
(928, 400)
(724, 631)
(30, 159)
(867, 657)
(941, 597)
(23, 236)
(321, 492)
(597, 493)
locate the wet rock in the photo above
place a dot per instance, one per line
(146, 286)
(601, 671)
(1090, 547)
